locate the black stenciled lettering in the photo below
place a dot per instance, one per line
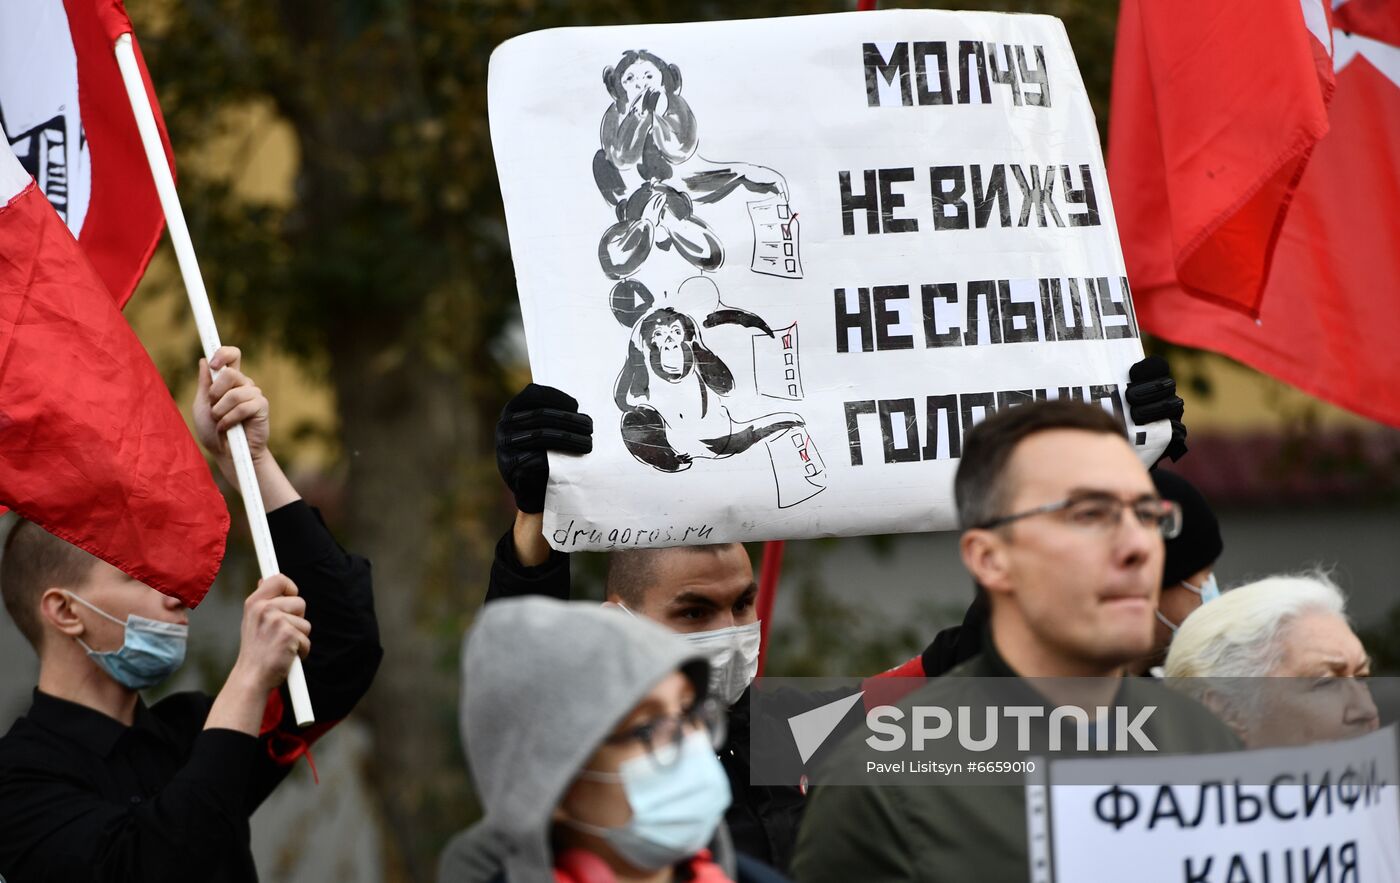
(907, 432)
(1004, 75)
(1110, 308)
(847, 321)
(996, 195)
(1109, 393)
(1201, 876)
(947, 407)
(982, 294)
(947, 185)
(895, 68)
(1039, 195)
(1011, 398)
(931, 294)
(971, 52)
(853, 412)
(852, 202)
(1093, 325)
(1060, 324)
(1128, 302)
(1011, 310)
(886, 317)
(939, 51)
(1084, 196)
(971, 401)
(1038, 76)
(1026, 197)
(889, 201)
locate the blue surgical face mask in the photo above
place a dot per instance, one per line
(678, 794)
(151, 650)
(1209, 590)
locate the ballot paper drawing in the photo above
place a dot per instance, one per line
(775, 249)
(776, 371)
(648, 170)
(797, 467)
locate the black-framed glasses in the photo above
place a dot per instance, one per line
(1105, 512)
(661, 735)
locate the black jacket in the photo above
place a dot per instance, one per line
(85, 798)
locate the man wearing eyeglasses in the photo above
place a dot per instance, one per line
(1064, 534)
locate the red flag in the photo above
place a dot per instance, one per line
(92, 447)
(1329, 312)
(66, 116)
(1216, 107)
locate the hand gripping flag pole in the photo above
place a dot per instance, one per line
(208, 337)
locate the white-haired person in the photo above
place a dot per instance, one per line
(1292, 631)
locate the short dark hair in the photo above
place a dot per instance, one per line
(632, 571)
(35, 560)
(981, 487)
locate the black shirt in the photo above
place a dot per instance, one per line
(85, 798)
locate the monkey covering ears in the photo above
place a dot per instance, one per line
(670, 390)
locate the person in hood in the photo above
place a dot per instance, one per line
(590, 739)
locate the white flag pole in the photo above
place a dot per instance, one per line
(208, 336)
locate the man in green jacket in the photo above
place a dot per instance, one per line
(1064, 534)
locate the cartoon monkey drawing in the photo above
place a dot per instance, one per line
(670, 392)
(647, 131)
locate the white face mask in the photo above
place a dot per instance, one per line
(733, 655)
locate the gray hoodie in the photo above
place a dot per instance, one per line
(543, 682)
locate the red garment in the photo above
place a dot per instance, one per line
(1329, 306)
(92, 447)
(582, 866)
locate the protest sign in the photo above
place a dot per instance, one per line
(785, 264)
(1320, 812)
